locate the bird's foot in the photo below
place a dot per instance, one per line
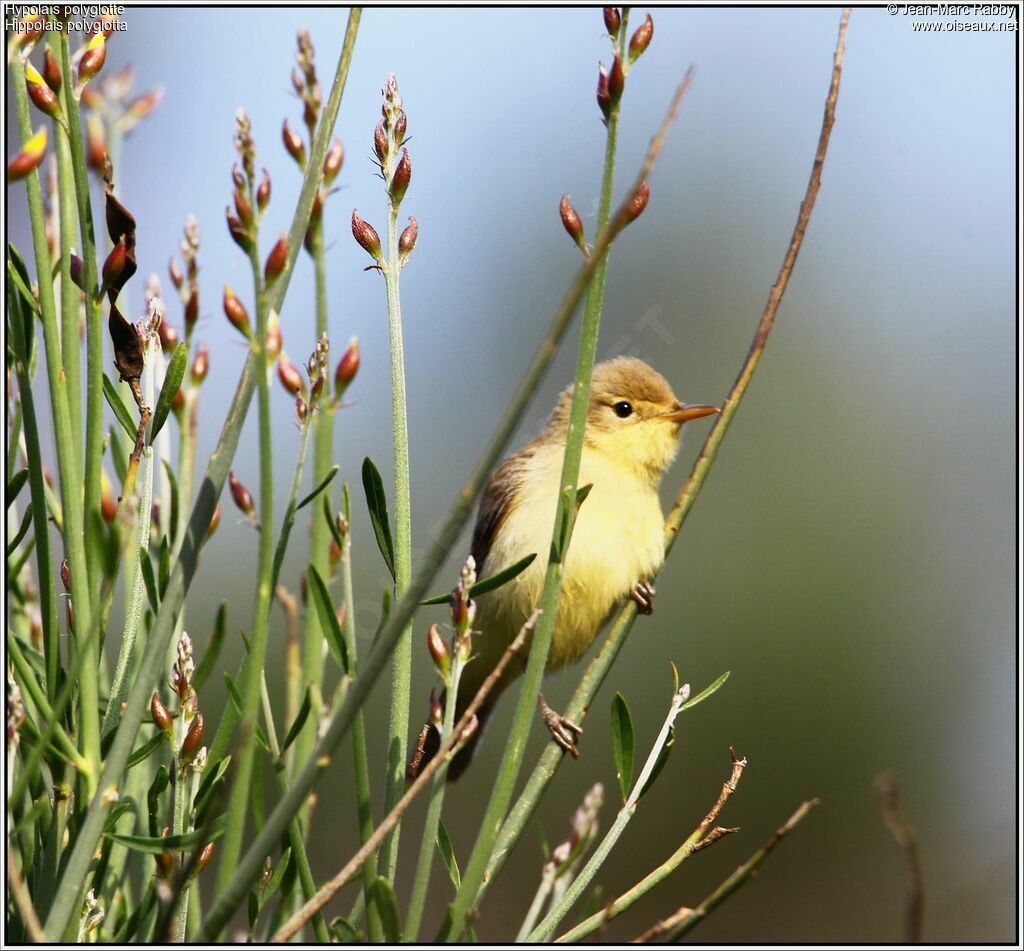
(563, 731)
(643, 594)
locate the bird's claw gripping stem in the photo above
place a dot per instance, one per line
(563, 731)
(643, 594)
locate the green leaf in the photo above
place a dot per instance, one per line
(622, 743)
(157, 844)
(299, 722)
(326, 481)
(492, 583)
(444, 846)
(329, 518)
(253, 911)
(582, 493)
(387, 907)
(172, 383)
(21, 283)
(328, 619)
(164, 565)
(209, 660)
(149, 579)
(16, 484)
(346, 508)
(207, 788)
(233, 695)
(171, 528)
(377, 503)
(706, 692)
(12, 545)
(160, 782)
(118, 454)
(120, 410)
(143, 751)
(275, 879)
(659, 763)
(345, 932)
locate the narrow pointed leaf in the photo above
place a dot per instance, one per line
(326, 481)
(118, 407)
(622, 743)
(706, 692)
(172, 383)
(377, 503)
(492, 583)
(387, 906)
(444, 846)
(328, 619)
(299, 722)
(155, 845)
(149, 579)
(16, 484)
(143, 751)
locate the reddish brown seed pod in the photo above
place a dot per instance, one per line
(114, 265)
(439, 652)
(235, 311)
(193, 739)
(571, 222)
(201, 364)
(168, 336)
(293, 144)
(242, 207)
(638, 202)
(263, 191)
(204, 857)
(93, 58)
(604, 101)
(78, 272)
(241, 495)
(641, 39)
(51, 71)
(290, 377)
(612, 20)
(401, 124)
(272, 342)
(108, 504)
(616, 81)
(366, 237)
(400, 180)
(277, 259)
(95, 143)
(42, 96)
(192, 307)
(333, 161)
(238, 233)
(407, 239)
(161, 717)
(348, 367)
(174, 271)
(380, 142)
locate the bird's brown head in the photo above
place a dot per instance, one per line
(633, 415)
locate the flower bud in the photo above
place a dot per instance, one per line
(42, 96)
(612, 20)
(193, 739)
(290, 377)
(29, 158)
(241, 495)
(164, 861)
(276, 260)
(65, 575)
(114, 265)
(400, 126)
(301, 408)
(238, 233)
(161, 717)
(95, 144)
(616, 81)
(366, 237)
(407, 240)
(204, 857)
(174, 271)
(201, 365)
(272, 342)
(604, 101)
(92, 60)
(380, 142)
(168, 336)
(439, 653)
(237, 178)
(333, 161)
(77, 266)
(192, 307)
(235, 311)
(243, 207)
(641, 39)
(51, 71)
(570, 219)
(293, 144)
(348, 367)
(638, 202)
(263, 191)
(400, 180)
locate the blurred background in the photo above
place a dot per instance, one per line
(851, 558)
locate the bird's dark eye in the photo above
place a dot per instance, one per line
(623, 409)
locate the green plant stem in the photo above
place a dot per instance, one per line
(68, 464)
(180, 822)
(688, 918)
(466, 897)
(598, 669)
(428, 844)
(89, 686)
(361, 762)
(401, 683)
(323, 452)
(70, 297)
(37, 493)
(237, 812)
(183, 570)
(546, 928)
(446, 537)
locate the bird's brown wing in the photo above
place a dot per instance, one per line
(496, 502)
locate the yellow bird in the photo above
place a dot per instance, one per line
(631, 437)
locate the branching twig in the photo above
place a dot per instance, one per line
(351, 867)
(906, 839)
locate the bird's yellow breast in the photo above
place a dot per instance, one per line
(617, 541)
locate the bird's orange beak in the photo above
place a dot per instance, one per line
(684, 412)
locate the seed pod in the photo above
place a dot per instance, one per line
(78, 272)
(65, 575)
(95, 144)
(407, 240)
(400, 180)
(439, 653)
(29, 158)
(51, 71)
(366, 237)
(238, 233)
(160, 715)
(333, 161)
(348, 367)
(293, 144)
(290, 377)
(204, 857)
(380, 142)
(241, 495)
(263, 191)
(612, 20)
(42, 96)
(638, 202)
(604, 101)
(616, 81)
(641, 39)
(571, 220)
(276, 260)
(201, 364)
(193, 739)
(235, 312)
(243, 207)
(113, 267)
(92, 59)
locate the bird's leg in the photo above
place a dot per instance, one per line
(563, 731)
(643, 594)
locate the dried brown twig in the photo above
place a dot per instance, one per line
(458, 735)
(906, 839)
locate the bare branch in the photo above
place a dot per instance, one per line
(906, 839)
